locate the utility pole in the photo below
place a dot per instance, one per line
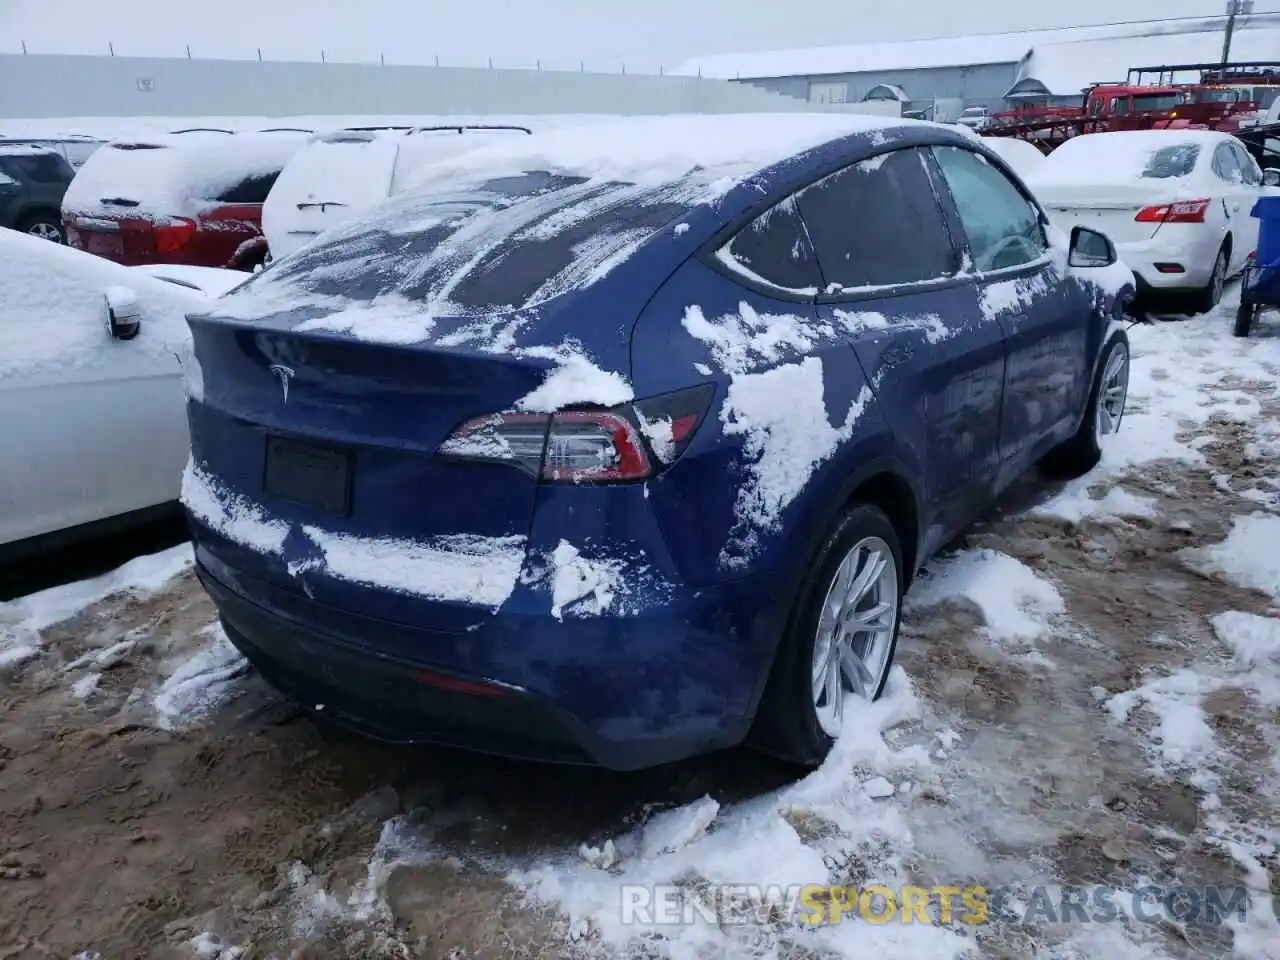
(1234, 8)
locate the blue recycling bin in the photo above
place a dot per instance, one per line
(1267, 211)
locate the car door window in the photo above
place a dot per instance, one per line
(1003, 226)
(1248, 167)
(1226, 166)
(775, 248)
(878, 223)
(49, 168)
(253, 189)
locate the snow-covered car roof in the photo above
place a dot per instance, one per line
(1123, 155)
(168, 174)
(518, 224)
(724, 149)
(21, 149)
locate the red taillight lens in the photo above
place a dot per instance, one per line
(587, 446)
(173, 234)
(1182, 211)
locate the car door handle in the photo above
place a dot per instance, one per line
(897, 354)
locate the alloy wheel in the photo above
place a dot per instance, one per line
(1219, 278)
(1113, 392)
(855, 631)
(45, 231)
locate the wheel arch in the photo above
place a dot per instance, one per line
(882, 479)
(37, 210)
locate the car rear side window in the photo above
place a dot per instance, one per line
(249, 190)
(878, 223)
(775, 248)
(37, 167)
(1003, 227)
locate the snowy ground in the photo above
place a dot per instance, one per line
(1087, 695)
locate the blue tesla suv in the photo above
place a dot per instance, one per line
(622, 443)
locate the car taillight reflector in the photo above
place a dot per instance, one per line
(586, 446)
(173, 234)
(1181, 211)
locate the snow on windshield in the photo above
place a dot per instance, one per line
(175, 174)
(1122, 156)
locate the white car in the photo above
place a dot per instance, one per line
(93, 429)
(975, 118)
(1022, 156)
(342, 173)
(1176, 203)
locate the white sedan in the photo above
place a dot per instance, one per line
(93, 430)
(1176, 203)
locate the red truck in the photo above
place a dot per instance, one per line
(1223, 99)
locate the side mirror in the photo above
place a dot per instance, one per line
(124, 315)
(1271, 178)
(1089, 248)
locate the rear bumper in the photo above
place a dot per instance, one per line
(329, 661)
(1171, 245)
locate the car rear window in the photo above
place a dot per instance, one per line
(501, 243)
(1175, 160)
(37, 167)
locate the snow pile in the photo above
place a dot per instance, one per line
(812, 832)
(1017, 604)
(230, 514)
(22, 620)
(586, 585)
(174, 174)
(746, 340)
(1248, 556)
(575, 379)
(780, 411)
(1077, 502)
(1013, 296)
(1182, 735)
(201, 683)
(460, 568)
(781, 414)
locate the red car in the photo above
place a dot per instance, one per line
(191, 197)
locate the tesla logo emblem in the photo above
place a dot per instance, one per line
(284, 375)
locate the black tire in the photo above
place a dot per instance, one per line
(787, 723)
(1246, 314)
(47, 226)
(1080, 454)
(1204, 300)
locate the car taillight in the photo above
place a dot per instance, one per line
(1182, 211)
(628, 442)
(173, 233)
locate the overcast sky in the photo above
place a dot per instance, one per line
(603, 33)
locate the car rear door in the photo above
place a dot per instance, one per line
(896, 290)
(1022, 289)
(1237, 199)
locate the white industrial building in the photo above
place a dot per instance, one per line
(996, 71)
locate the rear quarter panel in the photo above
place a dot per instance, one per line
(792, 424)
